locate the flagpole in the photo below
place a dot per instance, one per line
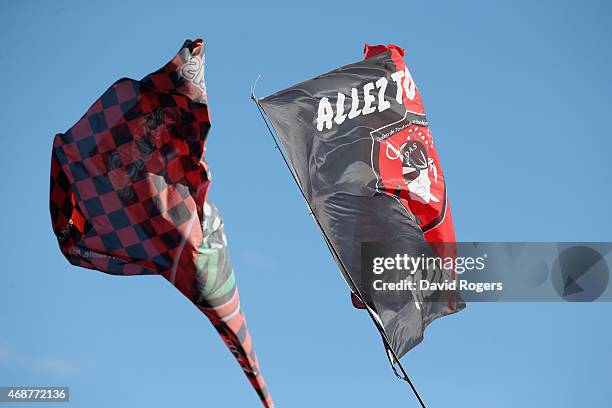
(330, 245)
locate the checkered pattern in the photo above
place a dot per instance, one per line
(129, 175)
(129, 184)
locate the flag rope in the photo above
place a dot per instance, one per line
(393, 359)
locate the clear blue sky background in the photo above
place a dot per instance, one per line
(519, 95)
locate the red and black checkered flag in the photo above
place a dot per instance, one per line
(128, 194)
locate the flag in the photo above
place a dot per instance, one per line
(128, 195)
(359, 145)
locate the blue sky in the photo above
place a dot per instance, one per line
(518, 97)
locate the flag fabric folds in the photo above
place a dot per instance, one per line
(358, 142)
(129, 187)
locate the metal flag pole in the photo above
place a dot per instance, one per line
(393, 359)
